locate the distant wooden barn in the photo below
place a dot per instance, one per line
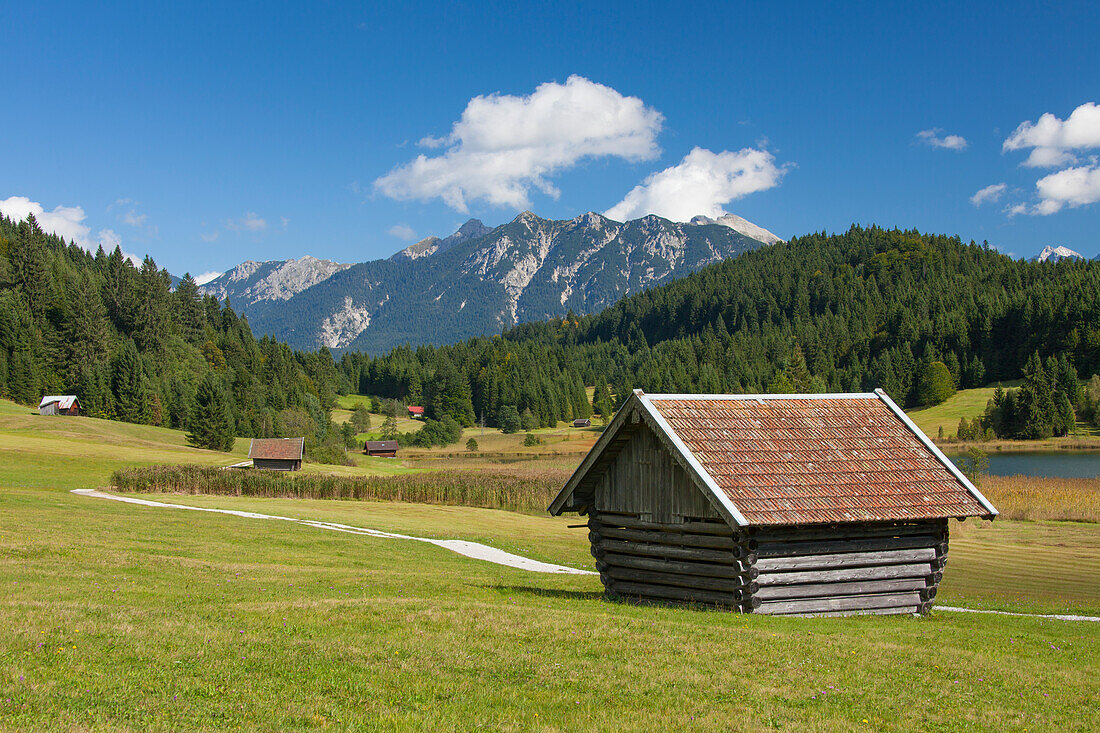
(779, 504)
(582, 422)
(381, 448)
(59, 405)
(277, 454)
(416, 411)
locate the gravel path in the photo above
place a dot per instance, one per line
(476, 550)
(473, 550)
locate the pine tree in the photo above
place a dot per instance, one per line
(1035, 401)
(129, 385)
(211, 426)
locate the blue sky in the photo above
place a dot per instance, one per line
(206, 135)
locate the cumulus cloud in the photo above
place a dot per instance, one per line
(700, 184)
(936, 139)
(989, 193)
(250, 222)
(1052, 141)
(403, 232)
(1072, 187)
(505, 146)
(63, 221)
(206, 277)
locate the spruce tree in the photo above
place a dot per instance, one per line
(129, 385)
(211, 426)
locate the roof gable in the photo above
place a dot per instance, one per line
(280, 449)
(64, 402)
(795, 459)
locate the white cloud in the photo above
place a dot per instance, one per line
(249, 222)
(64, 221)
(1052, 139)
(1072, 187)
(206, 277)
(504, 146)
(209, 236)
(989, 193)
(284, 221)
(402, 231)
(936, 140)
(700, 184)
(133, 218)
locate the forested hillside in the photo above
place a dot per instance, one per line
(864, 309)
(132, 349)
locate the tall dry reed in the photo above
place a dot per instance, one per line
(519, 491)
(1040, 497)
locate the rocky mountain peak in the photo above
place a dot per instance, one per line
(1051, 253)
(740, 225)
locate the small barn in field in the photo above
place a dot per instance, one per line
(780, 504)
(582, 422)
(277, 454)
(381, 448)
(416, 411)
(59, 405)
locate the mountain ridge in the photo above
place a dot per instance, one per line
(476, 281)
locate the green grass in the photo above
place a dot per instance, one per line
(121, 617)
(124, 617)
(968, 403)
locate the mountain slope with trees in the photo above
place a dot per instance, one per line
(918, 315)
(132, 349)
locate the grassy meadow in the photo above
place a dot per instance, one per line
(122, 617)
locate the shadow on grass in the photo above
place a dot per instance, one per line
(571, 595)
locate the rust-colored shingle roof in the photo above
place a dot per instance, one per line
(793, 459)
(286, 449)
(796, 459)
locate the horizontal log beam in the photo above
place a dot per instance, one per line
(664, 538)
(696, 554)
(825, 547)
(896, 611)
(846, 559)
(879, 572)
(846, 531)
(859, 587)
(734, 586)
(732, 570)
(633, 522)
(623, 588)
(845, 603)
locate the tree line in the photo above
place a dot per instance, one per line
(132, 348)
(915, 314)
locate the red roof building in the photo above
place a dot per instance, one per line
(821, 499)
(416, 411)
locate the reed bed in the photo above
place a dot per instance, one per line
(1032, 498)
(529, 491)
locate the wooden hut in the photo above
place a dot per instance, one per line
(582, 422)
(277, 454)
(781, 504)
(59, 405)
(416, 412)
(381, 448)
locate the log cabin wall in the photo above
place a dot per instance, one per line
(656, 537)
(848, 568)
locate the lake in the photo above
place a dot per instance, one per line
(1063, 464)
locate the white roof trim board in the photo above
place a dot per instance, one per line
(645, 401)
(63, 401)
